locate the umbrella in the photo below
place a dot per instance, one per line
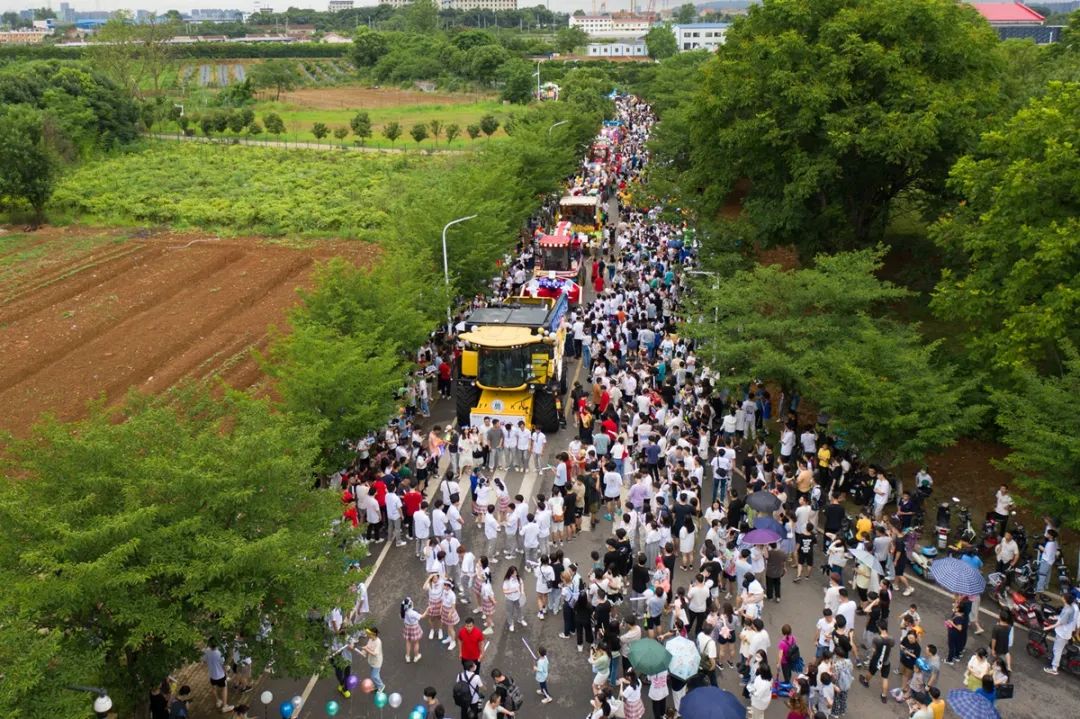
(864, 557)
(969, 705)
(711, 703)
(648, 656)
(958, 576)
(769, 523)
(685, 657)
(760, 536)
(762, 501)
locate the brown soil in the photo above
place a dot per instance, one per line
(336, 98)
(145, 313)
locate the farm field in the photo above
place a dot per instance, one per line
(236, 189)
(86, 313)
(336, 106)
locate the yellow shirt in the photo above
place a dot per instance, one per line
(823, 456)
(938, 707)
(863, 526)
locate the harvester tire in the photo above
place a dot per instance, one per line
(466, 396)
(545, 411)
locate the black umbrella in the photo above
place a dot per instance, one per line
(765, 502)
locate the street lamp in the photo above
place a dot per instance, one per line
(560, 122)
(537, 73)
(446, 265)
(102, 703)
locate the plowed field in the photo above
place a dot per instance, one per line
(145, 312)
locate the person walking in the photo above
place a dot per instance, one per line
(541, 670)
(215, 668)
(1066, 623)
(467, 691)
(471, 641)
(514, 593)
(373, 652)
(775, 569)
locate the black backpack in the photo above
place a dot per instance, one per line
(463, 692)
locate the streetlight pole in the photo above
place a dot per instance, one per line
(102, 703)
(446, 265)
(560, 122)
(538, 79)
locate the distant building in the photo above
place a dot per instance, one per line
(619, 48)
(339, 5)
(65, 14)
(613, 26)
(28, 36)
(700, 35)
(493, 5)
(1016, 21)
(48, 24)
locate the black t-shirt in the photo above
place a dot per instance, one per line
(806, 548)
(602, 613)
(626, 557)
(159, 706)
(882, 648)
(639, 579)
(834, 517)
(999, 636)
(909, 652)
(611, 559)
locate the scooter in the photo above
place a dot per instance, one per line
(1030, 610)
(966, 532)
(921, 557)
(943, 525)
(1041, 646)
(990, 536)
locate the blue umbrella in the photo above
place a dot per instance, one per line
(957, 576)
(760, 536)
(969, 705)
(769, 523)
(711, 703)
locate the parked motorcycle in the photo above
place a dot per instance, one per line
(1027, 608)
(965, 533)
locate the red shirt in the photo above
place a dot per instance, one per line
(610, 428)
(380, 492)
(470, 642)
(444, 371)
(412, 500)
(350, 514)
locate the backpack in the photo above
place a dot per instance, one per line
(462, 691)
(514, 697)
(844, 676)
(794, 658)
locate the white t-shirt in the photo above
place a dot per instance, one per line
(421, 524)
(802, 518)
(530, 535)
(215, 663)
(612, 484)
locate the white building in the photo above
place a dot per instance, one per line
(619, 48)
(609, 26)
(339, 5)
(493, 5)
(700, 35)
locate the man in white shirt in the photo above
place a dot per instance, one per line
(847, 608)
(1047, 557)
(454, 522)
(491, 536)
(612, 482)
(452, 562)
(438, 519)
(537, 441)
(522, 442)
(809, 441)
(530, 540)
(882, 487)
(787, 444)
(1067, 620)
(421, 527)
(749, 408)
(1003, 505)
(543, 521)
(393, 518)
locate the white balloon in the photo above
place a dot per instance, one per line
(296, 702)
(394, 700)
(266, 697)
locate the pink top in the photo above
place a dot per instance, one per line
(785, 644)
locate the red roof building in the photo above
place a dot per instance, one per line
(1008, 13)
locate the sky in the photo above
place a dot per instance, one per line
(248, 5)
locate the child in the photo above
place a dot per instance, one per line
(541, 669)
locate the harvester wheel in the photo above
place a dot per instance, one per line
(545, 412)
(466, 396)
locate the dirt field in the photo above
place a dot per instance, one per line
(141, 310)
(335, 98)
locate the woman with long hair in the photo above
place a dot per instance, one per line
(434, 588)
(487, 602)
(449, 613)
(411, 631)
(514, 592)
(630, 692)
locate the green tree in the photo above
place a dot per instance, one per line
(421, 17)
(369, 46)
(254, 128)
(452, 131)
(518, 81)
(192, 518)
(320, 130)
(361, 126)
(1014, 284)
(133, 54)
(473, 130)
(392, 131)
(660, 42)
(483, 62)
(341, 133)
(273, 123)
(830, 110)
(567, 39)
(815, 330)
(436, 128)
(280, 74)
(237, 121)
(419, 132)
(468, 39)
(27, 167)
(489, 124)
(685, 14)
(1041, 427)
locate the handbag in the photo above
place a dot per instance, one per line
(1003, 691)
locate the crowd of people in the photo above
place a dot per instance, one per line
(670, 464)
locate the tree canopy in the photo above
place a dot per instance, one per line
(830, 109)
(1015, 237)
(127, 545)
(660, 42)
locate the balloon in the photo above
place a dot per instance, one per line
(266, 697)
(416, 715)
(297, 702)
(380, 700)
(395, 700)
(421, 710)
(367, 686)
(286, 710)
(351, 681)
(332, 708)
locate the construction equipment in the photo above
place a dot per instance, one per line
(511, 367)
